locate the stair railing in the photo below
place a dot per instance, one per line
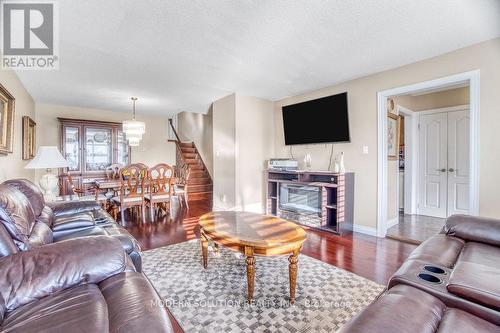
(179, 158)
(173, 129)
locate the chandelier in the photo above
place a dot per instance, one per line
(134, 129)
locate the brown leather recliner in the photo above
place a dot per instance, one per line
(450, 283)
(80, 285)
(405, 309)
(27, 221)
(460, 266)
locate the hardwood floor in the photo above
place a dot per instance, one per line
(371, 257)
(415, 229)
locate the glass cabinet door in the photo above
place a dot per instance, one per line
(98, 148)
(72, 147)
(122, 147)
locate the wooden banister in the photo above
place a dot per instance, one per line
(173, 129)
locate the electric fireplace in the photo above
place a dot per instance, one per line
(300, 198)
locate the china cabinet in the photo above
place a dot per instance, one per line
(90, 147)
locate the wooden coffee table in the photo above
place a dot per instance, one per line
(253, 235)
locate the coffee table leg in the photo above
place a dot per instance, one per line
(250, 272)
(292, 270)
(204, 250)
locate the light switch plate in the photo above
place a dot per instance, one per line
(365, 150)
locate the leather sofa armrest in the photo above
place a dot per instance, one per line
(134, 305)
(31, 275)
(64, 208)
(473, 228)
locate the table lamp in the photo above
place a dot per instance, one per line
(48, 157)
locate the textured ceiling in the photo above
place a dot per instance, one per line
(180, 55)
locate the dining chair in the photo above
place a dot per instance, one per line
(131, 195)
(181, 184)
(82, 195)
(160, 188)
(113, 171)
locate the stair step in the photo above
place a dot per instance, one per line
(200, 196)
(187, 144)
(199, 181)
(199, 174)
(196, 167)
(192, 162)
(188, 150)
(190, 155)
(199, 188)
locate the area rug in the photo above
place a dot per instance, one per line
(214, 300)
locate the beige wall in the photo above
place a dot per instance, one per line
(243, 138)
(153, 149)
(12, 165)
(363, 123)
(254, 146)
(440, 99)
(197, 127)
(224, 153)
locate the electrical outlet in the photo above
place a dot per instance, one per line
(365, 150)
(223, 198)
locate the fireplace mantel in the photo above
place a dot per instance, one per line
(291, 195)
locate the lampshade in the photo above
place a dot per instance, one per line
(47, 157)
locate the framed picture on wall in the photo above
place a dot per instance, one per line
(29, 138)
(392, 136)
(7, 109)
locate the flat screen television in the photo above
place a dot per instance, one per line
(323, 120)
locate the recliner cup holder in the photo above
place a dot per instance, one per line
(434, 269)
(429, 278)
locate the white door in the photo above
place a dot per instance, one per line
(458, 162)
(433, 162)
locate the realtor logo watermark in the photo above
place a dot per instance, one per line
(30, 35)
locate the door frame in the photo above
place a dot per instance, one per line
(411, 160)
(473, 80)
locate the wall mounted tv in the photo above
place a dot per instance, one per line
(323, 120)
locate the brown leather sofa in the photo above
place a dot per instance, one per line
(451, 282)
(28, 222)
(80, 285)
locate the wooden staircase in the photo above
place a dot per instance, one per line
(200, 185)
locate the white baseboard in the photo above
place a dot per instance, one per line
(365, 230)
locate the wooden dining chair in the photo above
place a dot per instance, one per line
(83, 195)
(113, 171)
(131, 195)
(181, 184)
(160, 188)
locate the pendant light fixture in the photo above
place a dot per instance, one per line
(134, 129)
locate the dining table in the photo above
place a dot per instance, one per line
(115, 184)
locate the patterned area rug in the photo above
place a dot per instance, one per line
(214, 300)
